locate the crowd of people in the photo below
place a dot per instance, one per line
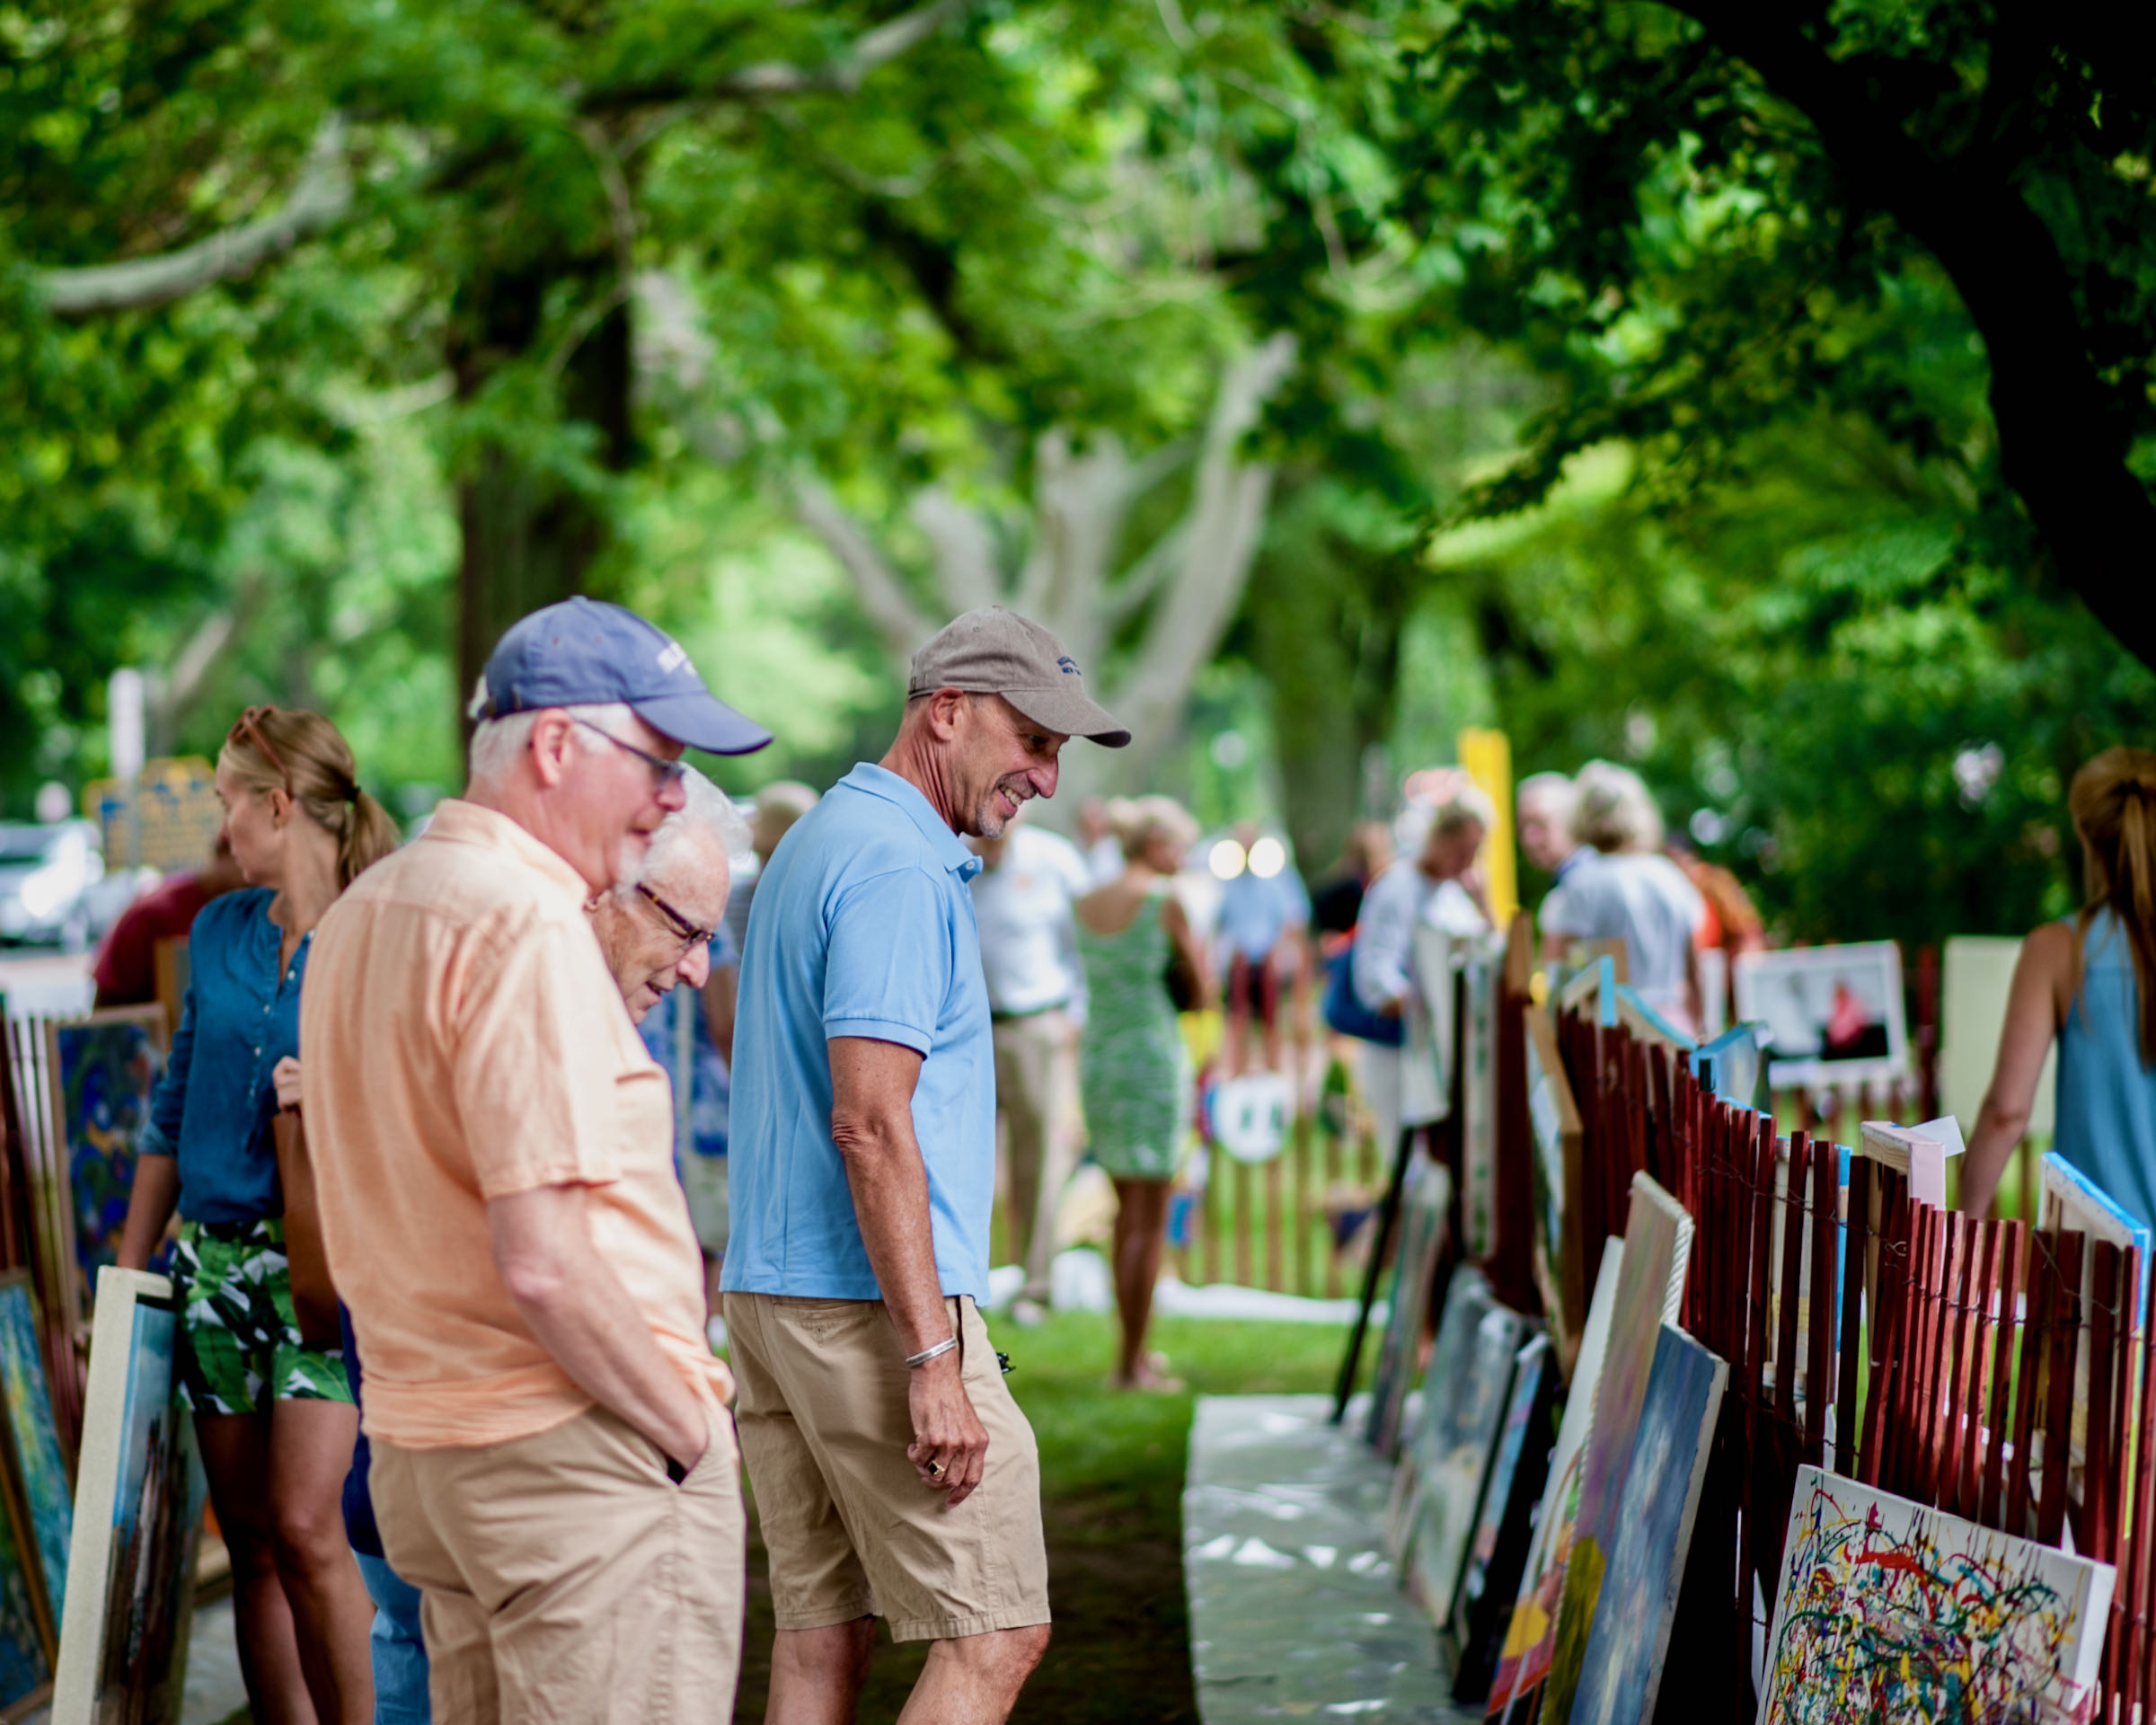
(596, 1081)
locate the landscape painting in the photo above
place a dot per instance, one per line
(32, 1443)
(1889, 1612)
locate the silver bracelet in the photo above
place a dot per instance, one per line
(927, 1353)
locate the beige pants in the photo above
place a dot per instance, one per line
(566, 1579)
(1037, 1095)
(850, 1529)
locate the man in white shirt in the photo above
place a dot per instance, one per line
(1021, 901)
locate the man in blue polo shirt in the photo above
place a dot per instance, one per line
(894, 1474)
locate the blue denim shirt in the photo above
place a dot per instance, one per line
(213, 1106)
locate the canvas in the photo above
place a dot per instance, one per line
(1646, 1025)
(1553, 1120)
(1426, 1196)
(1976, 973)
(1658, 1247)
(1525, 1656)
(1889, 1612)
(2071, 1200)
(1733, 1067)
(1477, 1085)
(1462, 1414)
(1833, 1013)
(25, 1664)
(32, 1442)
(103, 1069)
(1425, 1069)
(1502, 1531)
(1628, 1644)
(137, 1513)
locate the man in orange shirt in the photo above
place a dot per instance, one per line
(553, 1466)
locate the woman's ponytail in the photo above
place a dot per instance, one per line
(2113, 801)
(368, 836)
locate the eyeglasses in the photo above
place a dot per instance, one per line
(683, 930)
(247, 729)
(664, 772)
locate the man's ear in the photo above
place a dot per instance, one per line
(947, 711)
(549, 745)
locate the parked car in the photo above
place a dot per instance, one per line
(49, 879)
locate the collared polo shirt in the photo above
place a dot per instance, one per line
(461, 1041)
(862, 925)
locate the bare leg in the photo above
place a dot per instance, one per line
(816, 1673)
(310, 1450)
(1141, 1232)
(235, 1456)
(975, 1679)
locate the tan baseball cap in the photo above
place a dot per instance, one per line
(996, 651)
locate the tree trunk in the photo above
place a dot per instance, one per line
(529, 538)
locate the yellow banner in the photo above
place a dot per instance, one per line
(1487, 755)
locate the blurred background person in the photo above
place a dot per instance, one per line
(1336, 902)
(664, 936)
(1133, 1071)
(1435, 885)
(1544, 803)
(274, 1416)
(126, 971)
(1258, 937)
(1098, 824)
(778, 806)
(1030, 880)
(2090, 981)
(1628, 890)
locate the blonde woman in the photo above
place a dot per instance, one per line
(1133, 1072)
(274, 1416)
(2089, 980)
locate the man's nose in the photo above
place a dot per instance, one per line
(1043, 778)
(673, 795)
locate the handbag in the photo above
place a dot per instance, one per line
(1344, 1008)
(314, 1294)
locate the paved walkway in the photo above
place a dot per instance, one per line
(1295, 1611)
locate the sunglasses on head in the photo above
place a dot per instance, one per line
(247, 729)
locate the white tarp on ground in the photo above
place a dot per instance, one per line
(1081, 1282)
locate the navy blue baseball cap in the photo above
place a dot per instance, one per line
(585, 652)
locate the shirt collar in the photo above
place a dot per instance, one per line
(467, 823)
(950, 850)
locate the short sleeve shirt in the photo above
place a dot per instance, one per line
(863, 926)
(460, 1041)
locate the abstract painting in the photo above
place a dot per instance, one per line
(1650, 1286)
(1628, 1641)
(32, 1444)
(25, 1667)
(1462, 1412)
(1525, 1657)
(137, 1513)
(1499, 1549)
(104, 1068)
(1427, 1197)
(1891, 1612)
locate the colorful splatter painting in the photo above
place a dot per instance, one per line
(106, 1066)
(1891, 1612)
(33, 1445)
(1628, 1641)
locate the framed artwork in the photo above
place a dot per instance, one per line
(102, 1071)
(32, 1442)
(1524, 1659)
(1891, 1612)
(25, 1643)
(1498, 1548)
(1833, 1013)
(1733, 1065)
(1426, 1071)
(1628, 1642)
(1651, 1288)
(137, 1517)
(1477, 1076)
(1558, 1179)
(1423, 1205)
(1464, 1397)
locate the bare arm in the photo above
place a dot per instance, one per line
(584, 1317)
(151, 1202)
(872, 1126)
(2043, 977)
(1176, 920)
(721, 994)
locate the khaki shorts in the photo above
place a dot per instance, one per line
(850, 1529)
(564, 1577)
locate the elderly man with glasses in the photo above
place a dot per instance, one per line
(552, 1463)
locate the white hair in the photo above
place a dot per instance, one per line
(496, 743)
(708, 814)
(1468, 806)
(1616, 811)
(1555, 793)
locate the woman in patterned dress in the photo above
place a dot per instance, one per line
(1133, 1070)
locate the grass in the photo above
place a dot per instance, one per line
(1112, 1489)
